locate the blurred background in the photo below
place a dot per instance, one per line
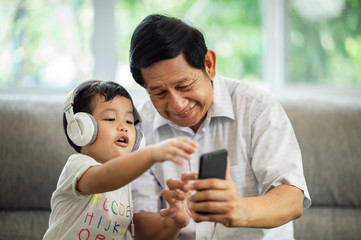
(282, 45)
(307, 53)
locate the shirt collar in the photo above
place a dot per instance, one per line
(221, 105)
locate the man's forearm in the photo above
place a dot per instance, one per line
(149, 225)
(279, 206)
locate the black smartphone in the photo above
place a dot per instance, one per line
(213, 165)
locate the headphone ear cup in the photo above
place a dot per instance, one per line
(88, 129)
(139, 139)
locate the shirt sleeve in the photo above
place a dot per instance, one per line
(74, 169)
(146, 191)
(276, 156)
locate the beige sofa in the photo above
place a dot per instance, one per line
(34, 149)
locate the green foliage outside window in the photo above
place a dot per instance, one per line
(326, 50)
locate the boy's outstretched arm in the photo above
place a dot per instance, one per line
(120, 171)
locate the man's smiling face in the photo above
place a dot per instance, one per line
(180, 93)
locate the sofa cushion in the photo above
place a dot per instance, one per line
(328, 223)
(23, 224)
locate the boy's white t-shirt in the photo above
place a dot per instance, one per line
(87, 216)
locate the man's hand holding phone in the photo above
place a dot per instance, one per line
(216, 198)
(212, 166)
(220, 200)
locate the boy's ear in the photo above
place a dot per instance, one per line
(210, 63)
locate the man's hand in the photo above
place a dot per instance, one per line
(168, 222)
(178, 200)
(220, 199)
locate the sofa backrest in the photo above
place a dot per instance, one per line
(33, 144)
(329, 135)
(33, 149)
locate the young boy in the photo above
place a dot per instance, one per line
(92, 199)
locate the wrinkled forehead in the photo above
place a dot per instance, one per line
(168, 71)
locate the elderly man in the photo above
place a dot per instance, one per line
(265, 187)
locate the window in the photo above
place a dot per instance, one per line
(56, 44)
(45, 44)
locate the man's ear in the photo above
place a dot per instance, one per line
(210, 62)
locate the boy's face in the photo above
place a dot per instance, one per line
(116, 132)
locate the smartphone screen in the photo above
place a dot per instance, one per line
(213, 165)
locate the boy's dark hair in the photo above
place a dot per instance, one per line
(85, 95)
(160, 37)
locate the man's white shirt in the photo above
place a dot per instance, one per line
(261, 144)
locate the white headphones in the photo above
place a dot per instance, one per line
(82, 128)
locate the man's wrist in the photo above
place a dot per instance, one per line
(171, 223)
